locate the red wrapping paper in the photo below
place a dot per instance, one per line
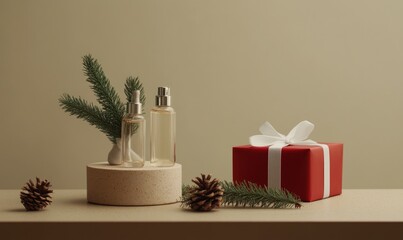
(301, 168)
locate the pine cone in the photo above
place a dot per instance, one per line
(36, 196)
(207, 195)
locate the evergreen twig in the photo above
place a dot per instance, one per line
(105, 93)
(186, 194)
(251, 195)
(132, 84)
(92, 114)
(107, 117)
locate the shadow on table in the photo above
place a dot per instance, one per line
(76, 201)
(240, 208)
(15, 210)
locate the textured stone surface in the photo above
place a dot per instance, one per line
(117, 185)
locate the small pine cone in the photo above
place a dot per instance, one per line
(207, 195)
(36, 196)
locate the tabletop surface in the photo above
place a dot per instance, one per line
(354, 205)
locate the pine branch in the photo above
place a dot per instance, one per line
(92, 114)
(132, 84)
(108, 117)
(186, 190)
(105, 93)
(251, 195)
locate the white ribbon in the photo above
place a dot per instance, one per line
(276, 141)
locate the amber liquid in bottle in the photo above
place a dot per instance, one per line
(163, 131)
(162, 137)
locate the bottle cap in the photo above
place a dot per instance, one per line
(163, 99)
(135, 106)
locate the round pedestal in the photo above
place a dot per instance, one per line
(117, 185)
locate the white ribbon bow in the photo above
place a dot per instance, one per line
(276, 141)
(297, 136)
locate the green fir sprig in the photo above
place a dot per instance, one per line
(133, 83)
(100, 84)
(108, 116)
(248, 194)
(88, 112)
(252, 195)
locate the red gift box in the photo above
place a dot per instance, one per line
(302, 168)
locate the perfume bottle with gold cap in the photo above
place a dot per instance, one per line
(162, 130)
(133, 134)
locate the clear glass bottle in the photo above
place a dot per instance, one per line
(162, 134)
(133, 134)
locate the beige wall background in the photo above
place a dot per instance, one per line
(231, 65)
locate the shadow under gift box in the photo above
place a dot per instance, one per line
(302, 168)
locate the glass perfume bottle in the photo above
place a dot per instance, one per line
(133, 134)
(162, 132)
